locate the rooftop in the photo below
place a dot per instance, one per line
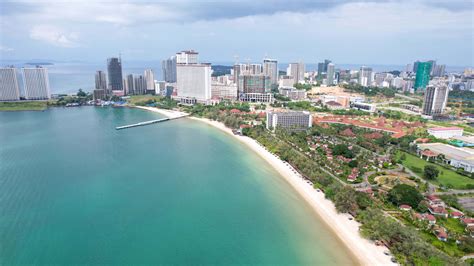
(444, 128)
(451, 152)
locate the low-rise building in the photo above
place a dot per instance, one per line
(289, 120)
(454, 156)
(292, 93)
(364, 107)
(445, 132)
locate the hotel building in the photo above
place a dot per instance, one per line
(36, 83)
(290, 120)
(9, 89)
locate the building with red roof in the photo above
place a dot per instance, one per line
(405, 207)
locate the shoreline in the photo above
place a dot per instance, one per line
(347, 231)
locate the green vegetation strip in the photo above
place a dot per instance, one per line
(447, 177)
(23, 106)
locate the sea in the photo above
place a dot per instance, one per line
(69, 77)
(73, 190)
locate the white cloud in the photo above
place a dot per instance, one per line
(5, 49)
(54, 35)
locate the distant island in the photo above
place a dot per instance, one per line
(220, 70)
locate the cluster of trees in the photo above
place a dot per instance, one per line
(342, 149)
(404, 194)
(371, 91)
(305, 87)
(81, 98)
(405, 242)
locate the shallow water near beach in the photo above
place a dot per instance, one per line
(73, 190)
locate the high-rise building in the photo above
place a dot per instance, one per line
(254, 84)
(100, 80)
(270, 69)
(439, 70)
(168, 68)
(114, 73)
(365, 76)
(9, 89)
(150, 81)
(323, 67)
(130, 84)
(187, 57)
(193, 82)
(296, 70)
(330, 74)
(435, 100)
(36, 83)
(433, 66)
(139, 85)
(255, 69)
(422, 75)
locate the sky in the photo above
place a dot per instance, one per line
(349, 32)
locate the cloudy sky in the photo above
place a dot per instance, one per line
(370, 32)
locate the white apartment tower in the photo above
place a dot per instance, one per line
(435, 100)
(36, 83)
(331, 72)
(270, 68)
(9, 89)
(193, 80)
(150, 80)
(365, 76)
(296, 70)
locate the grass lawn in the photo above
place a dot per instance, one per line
(23, 106)
(445, 177)
(143, 98)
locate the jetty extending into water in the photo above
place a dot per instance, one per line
(145, 123)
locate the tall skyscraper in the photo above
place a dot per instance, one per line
(9, 89)
(296, 70)
(139, 85)
(439, 70)
(323, 67)
(270, 68)
(433, 66)
(130, 84)
(422, 75)
(114, 73)
(330, 74)
(100, 80)
(435, 100)
(150, 80)
(168, 68)
(365, 76)
(36, 83)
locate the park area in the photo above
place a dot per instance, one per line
(447, 177)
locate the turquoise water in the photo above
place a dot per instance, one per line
(73, 190)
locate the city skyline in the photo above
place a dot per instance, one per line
(303, 31)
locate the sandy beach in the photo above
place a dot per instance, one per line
(347, 230)
(167, 113)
